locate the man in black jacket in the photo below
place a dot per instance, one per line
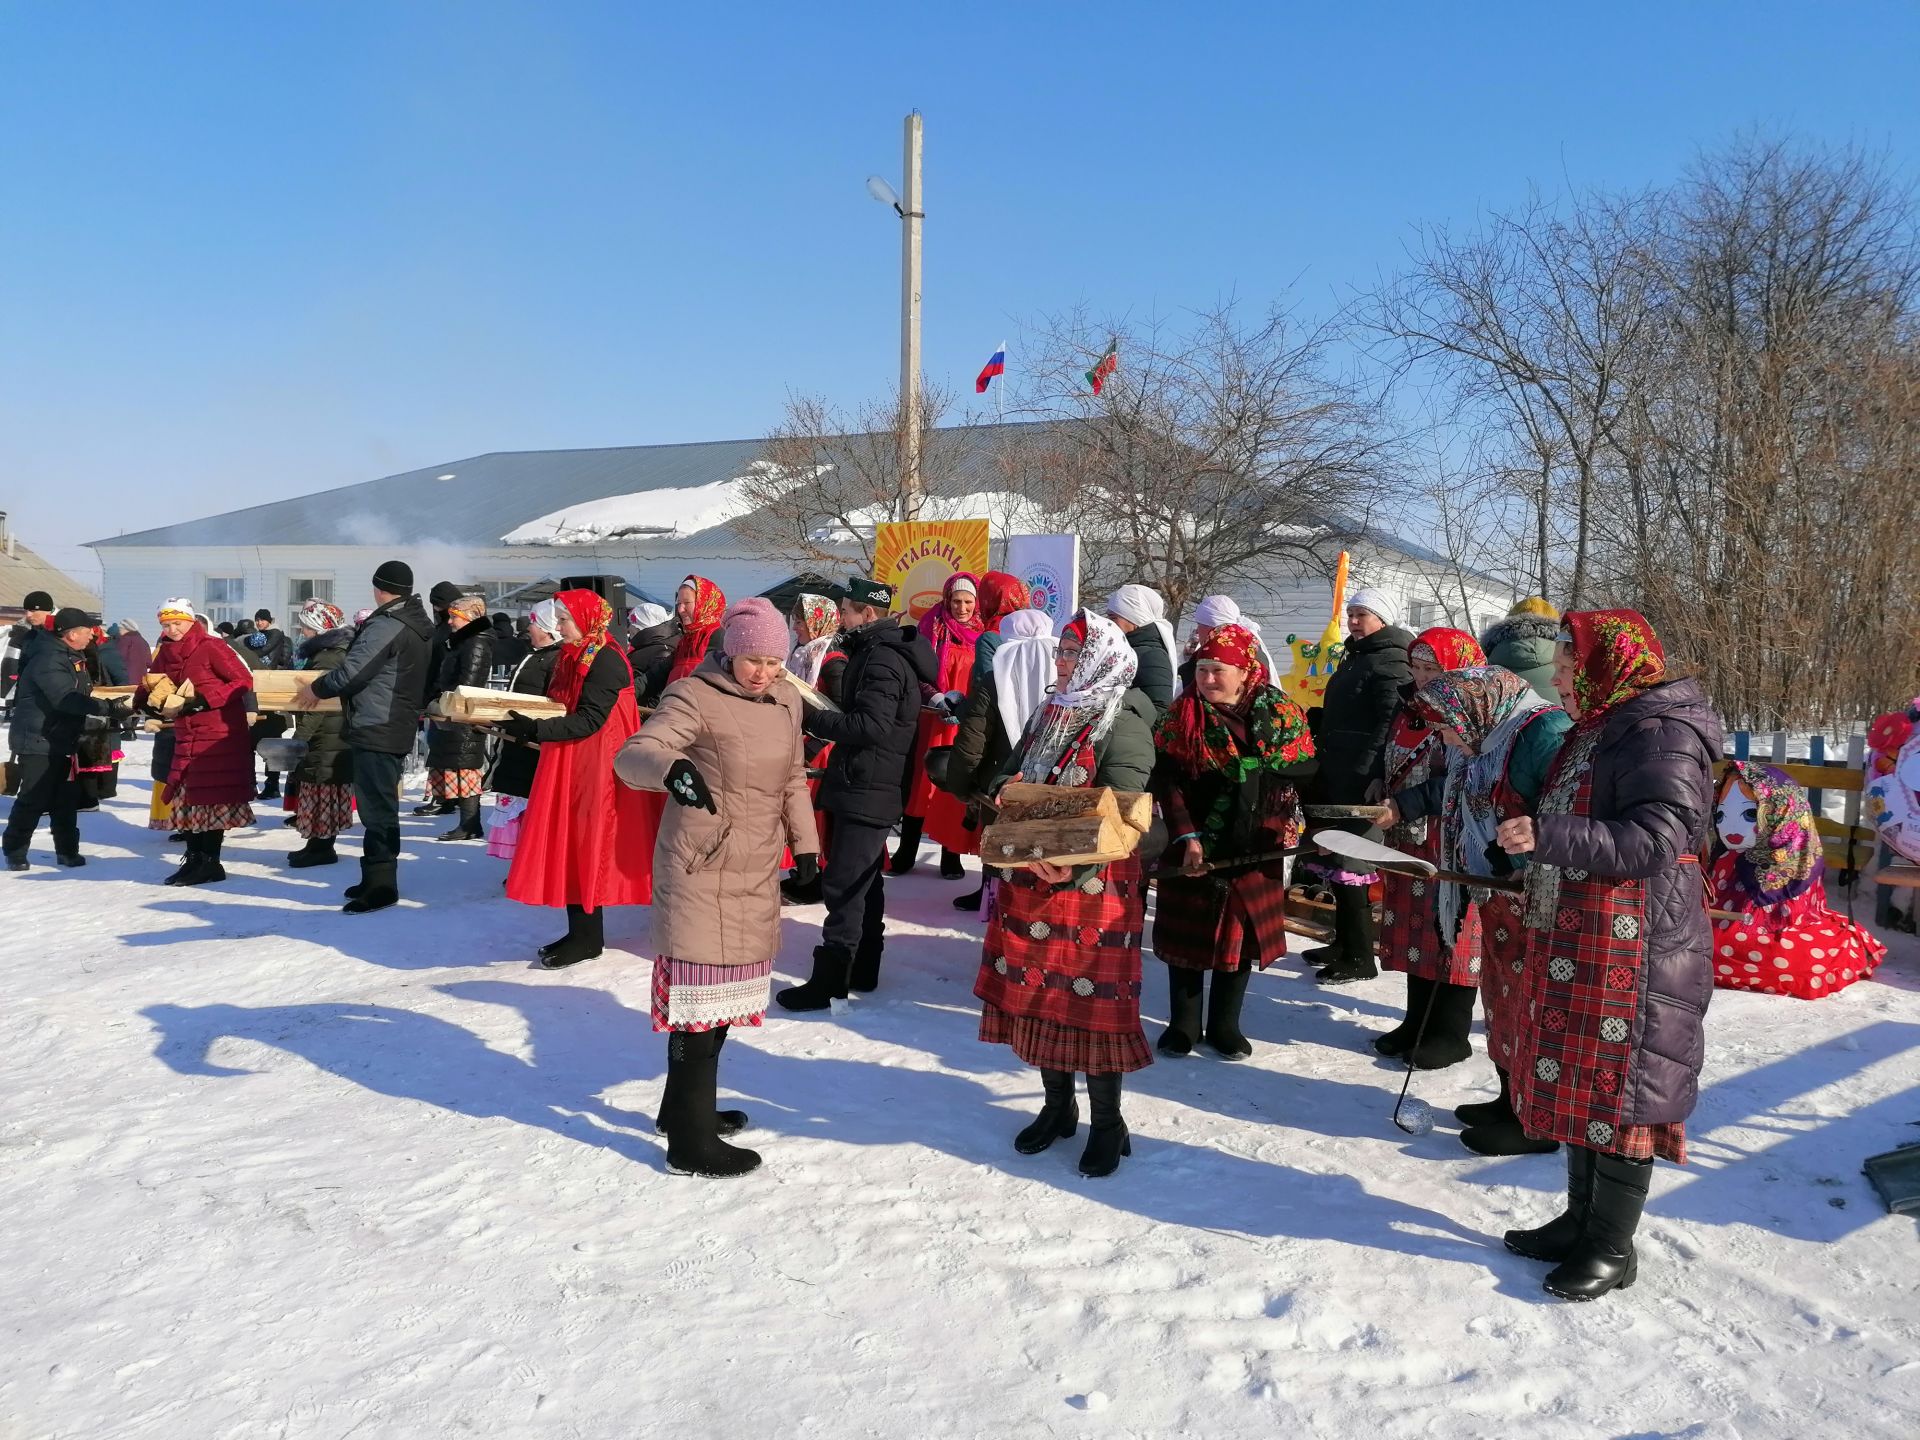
(383, 684)
(1357, 711)
(864, 789)
(53, 699)
(39, 607)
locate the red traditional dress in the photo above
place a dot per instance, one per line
(1783, 939)
(210, 782)
(585, 839)
(953, 643)
(709, 609)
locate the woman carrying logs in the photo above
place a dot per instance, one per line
(1414, 767)
(1619, 964)
(323, 798)
(585, 842)
(725, 745)
(953, 629)
(1059, 975)
(1500, 739)
(457, 754)
(210, 781)
(1232, 751)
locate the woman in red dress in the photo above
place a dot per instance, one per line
(586, 842)
(952, 628)
(210, 781)
(699, 606)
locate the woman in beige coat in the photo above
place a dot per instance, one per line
(725, 746)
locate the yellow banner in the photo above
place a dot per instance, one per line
(916, 557)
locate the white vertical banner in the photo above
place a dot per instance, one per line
(1050, 566)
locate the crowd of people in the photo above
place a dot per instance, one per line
(728, 758)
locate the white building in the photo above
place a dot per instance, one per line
(651, 514)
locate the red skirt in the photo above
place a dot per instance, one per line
(1048, 1045)
(586, 839)
(1503, 967)
(1793, 947)
(1207, 924)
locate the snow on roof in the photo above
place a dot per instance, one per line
(673, 511)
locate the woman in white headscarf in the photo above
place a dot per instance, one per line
(1059, 975)
(1141, 615)
(510, 777)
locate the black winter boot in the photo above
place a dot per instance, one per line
(1603, 1258)
(1489, 1112)
(1444, 1041)
(971, 902)
(1185, 989)
(203, 860)
(1353, 937)
(270, 790)
(694, 1146)
(70, 859)
(908, 851)
(1399, 1040)
(379, 887)
(1503, 1133)
(317, 851)
(437, 807)
(17, 860)
(188, 871)
(827, 983)
(1058, 1118)
(1107, 1137)
(865, 975)
(1228, 994)
(726, 1122)
(1555, 1240)
(469, 827)
(586, 937)
(951, 866)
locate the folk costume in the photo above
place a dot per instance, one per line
(928, 807)
(820, 660)
(1619, 970)
(696, 635)
(1227, 777)
(1771, 874)
(585, 841)
(1059, 976)
(323, 794)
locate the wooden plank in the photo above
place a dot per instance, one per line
(1826, 777)
(477, 705)
(276, 691)
(1090, 839)
(1900, 877)
(114, 692)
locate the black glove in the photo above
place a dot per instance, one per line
(194, 706)
(806, 869)
(119, 713)
(518, 727)
(688, 787)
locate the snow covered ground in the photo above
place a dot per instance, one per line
(269, 1171)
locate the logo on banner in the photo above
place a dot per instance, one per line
(1047, 590)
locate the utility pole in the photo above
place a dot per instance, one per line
(911, 217)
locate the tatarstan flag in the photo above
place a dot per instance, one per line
(1104, 366)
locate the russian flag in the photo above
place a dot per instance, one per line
(996, 366)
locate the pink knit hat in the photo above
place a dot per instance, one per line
(754, 627)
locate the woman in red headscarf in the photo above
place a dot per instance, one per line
(1619, 962)
(1231, 753)
(699, 606)
(1413, 759)
(585, 841)
(952, 628)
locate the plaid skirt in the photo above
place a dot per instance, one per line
(454, 784)
(198, 819)
(321, 812)
(690, 996)
(1503, 968)
(1204, 923)
(1049, 1045)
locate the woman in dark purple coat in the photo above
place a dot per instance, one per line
(1619, 964)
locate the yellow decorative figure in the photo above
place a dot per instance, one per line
(1313, 660)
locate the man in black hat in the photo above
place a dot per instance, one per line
(864, 789)
(443, 594)
(381, 684)
(49, 716)
(39, 616)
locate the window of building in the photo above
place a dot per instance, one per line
(223, 597)
(301, 589)
(1423, 617)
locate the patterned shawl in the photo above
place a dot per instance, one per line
(1058, 744)
(1616, 656)
(709, 609)
(592, 615)
(1195, 733)
(1413, 750)
(1785, 857)
(944, 633)
(1488, 707)
(1449, 649)
(822, 618)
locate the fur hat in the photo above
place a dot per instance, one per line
(754, 627)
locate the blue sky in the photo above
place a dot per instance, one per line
(249, 250)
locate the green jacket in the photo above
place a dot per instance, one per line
(1524, 645)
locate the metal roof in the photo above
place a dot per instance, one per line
(22, 572)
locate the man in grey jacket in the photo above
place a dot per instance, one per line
(382, 685)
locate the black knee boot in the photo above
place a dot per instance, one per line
(1224, 1000)
(1399, 1040)
(1352, 937)
(951, 865)
(379, 887)
(1184, 989)
(909, 848)
(1058, 1118)
(827, 984)
(1603, 1258)
(1501, 1133)
(1488, 1112)
(1449, 1021)
(694, 1146)
(584, 940)
(727, 1122)
(1107, 1137)
(1554, 1240)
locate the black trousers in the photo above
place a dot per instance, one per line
(376, 790)
(47, 787)
(851, 885)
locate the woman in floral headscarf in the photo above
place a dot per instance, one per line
(1619, 965)
(1414, 768)
(819, 659)
(1771, 874)
(699, 606)
(1500, 739)
(585, 842)
(952, 628)
(1060, 973)
(1232, 751)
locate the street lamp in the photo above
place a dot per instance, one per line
(911, 216)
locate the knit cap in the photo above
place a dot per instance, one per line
(754, 627)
